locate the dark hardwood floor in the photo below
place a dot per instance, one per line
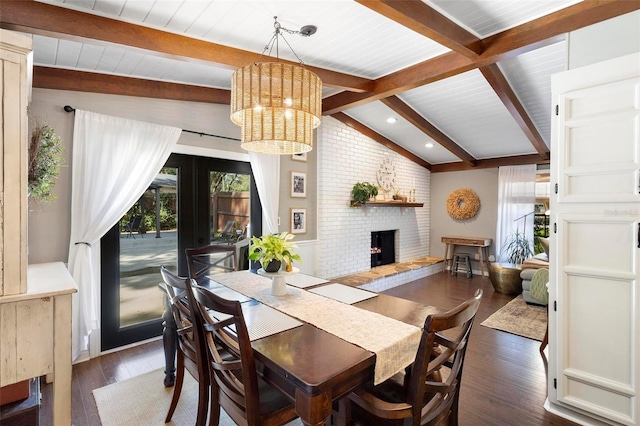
(504, 379)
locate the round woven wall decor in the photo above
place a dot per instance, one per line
(463, 204)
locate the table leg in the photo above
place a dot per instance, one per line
(480, 250)
(446, 256)
(313, 410)
(62, 361)
(169, 341)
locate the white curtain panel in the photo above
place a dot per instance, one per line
(114, 162)
(516, 203)
(266, 172)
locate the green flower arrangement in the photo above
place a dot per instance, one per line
(45, 158)
(274, 247)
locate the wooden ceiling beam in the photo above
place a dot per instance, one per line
(515, 41)
(423, 19)
(44, 19)
(490, 163)
(79, 81)
(409, 114)
(370, 133)
(503, 89)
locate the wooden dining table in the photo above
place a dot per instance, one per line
(316, 368)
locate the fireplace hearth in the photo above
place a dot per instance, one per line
(383, 250)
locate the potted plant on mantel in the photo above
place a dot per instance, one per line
(362, 192)
(273, 250)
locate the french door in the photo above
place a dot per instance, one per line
(186, 206)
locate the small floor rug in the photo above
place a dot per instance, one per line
(144, 401)
(517, 317)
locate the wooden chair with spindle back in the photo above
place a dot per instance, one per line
(241, 392)
(189, 353)
(429, 393)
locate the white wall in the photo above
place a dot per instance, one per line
(50, 224)
(609, 39)
(344, 233)
(483, 182)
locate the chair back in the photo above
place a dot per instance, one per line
(444, 343)
(179, 295)
(211, 259)
(222, 327)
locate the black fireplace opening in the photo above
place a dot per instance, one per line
(383, 248)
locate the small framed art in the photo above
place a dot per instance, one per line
(298, 184)
(299, 157)
(298, 221)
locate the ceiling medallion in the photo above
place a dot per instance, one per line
(277, 105)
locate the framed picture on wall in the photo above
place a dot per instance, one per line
(298, 184)
(299, 157)
(298, 221)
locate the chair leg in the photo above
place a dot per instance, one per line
(177, 389)
(343, 416)
(214, 404)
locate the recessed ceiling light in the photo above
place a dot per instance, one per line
(391, 120)
(429, 145)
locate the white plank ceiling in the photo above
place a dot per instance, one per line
(351, 39)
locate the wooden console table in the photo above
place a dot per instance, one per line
(36, 334)
(481, 243)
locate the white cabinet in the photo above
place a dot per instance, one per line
(594, 367)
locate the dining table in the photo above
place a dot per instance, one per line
(315, 362)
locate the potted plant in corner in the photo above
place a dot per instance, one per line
(362, 192)
(505, 277)
(517, 248)
(273, 250)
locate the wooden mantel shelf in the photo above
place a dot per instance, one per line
(386, 204)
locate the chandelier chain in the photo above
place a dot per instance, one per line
(274, 41)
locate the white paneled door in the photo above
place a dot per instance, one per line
(595, 254)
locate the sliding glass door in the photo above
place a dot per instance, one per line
(192, 202)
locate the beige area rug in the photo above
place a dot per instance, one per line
(517, 317)
(144, 401)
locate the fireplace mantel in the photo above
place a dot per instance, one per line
(386, 204)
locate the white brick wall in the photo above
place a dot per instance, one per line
(344, 233)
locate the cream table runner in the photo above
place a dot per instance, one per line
(394, 342)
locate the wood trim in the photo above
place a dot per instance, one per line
(61, 79)
(503, 89)
(406, 112)
(366, 131)
(491, 163)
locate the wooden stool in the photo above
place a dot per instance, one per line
(462, 259)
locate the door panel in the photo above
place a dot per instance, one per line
(594, 341)
(599, 143)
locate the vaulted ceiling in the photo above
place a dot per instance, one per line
(470, 77)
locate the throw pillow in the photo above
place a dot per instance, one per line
(544, 242)
(539, 290)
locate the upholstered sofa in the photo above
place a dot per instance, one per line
(529, 268)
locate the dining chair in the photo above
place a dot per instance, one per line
(428, 393)
(240, 391)
(189, 354)
(210, 259)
